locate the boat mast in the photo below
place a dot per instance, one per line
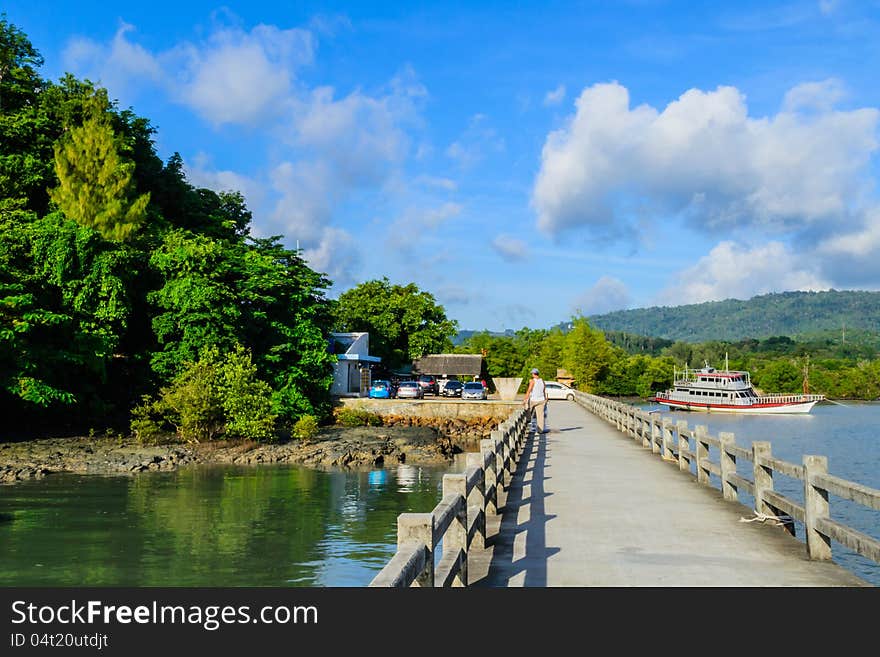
(726, 365)
(807, 376)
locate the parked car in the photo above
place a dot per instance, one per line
(451, 388)
(410, 390)
(381, 389)
(556, 390)
(429, 384)
(473, 390)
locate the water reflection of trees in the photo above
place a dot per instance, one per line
(211, 526)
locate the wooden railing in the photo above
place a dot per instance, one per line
(679, 444)
(458, 523)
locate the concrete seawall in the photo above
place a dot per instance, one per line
(433, 408)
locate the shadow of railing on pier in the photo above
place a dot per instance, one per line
(526, 495)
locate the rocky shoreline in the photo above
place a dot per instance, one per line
(333, 447)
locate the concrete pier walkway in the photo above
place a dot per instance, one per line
(589, 506)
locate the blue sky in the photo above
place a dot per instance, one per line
(522, 161)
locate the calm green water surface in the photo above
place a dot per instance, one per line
(209, 526)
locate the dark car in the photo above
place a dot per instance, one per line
(429, 384)
(451, 388)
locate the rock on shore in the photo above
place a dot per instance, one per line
(333, 447)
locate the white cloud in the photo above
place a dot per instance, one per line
(509, 248)
(438, 182)
(406, 232)
(336, 255)
(852, 258)
(454, 295)
(358, 135)
(306, 198)
(828, 6)
(202, 174)
(555, 97)
(606, 295)
(820, 96)
(118, 65)
(237, 76)
(734, 271)
(232, 77)
(703, 158)
(478, 141)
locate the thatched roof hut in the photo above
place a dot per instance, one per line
(449, 365)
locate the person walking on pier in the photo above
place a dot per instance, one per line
(536, 399)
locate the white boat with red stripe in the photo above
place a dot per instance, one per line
(728, 391)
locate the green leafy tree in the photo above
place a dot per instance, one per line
(18, 63)
(403, 321)
(549, 357)
(778, 376)
(216, 395)
(656, 377)
(587, 355)
(95, 179)
(259, 294)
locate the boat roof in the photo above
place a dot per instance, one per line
(721, 375)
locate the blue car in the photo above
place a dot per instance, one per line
(381, 389)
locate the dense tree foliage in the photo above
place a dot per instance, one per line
(119, 280)
(601, 365)
(403, 321)
(797, 314)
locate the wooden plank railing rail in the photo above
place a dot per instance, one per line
(695, 447)
(458, 523)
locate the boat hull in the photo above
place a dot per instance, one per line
(753, 409)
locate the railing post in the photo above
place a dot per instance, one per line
(762, 476)
(815, 507)
(455, 538)
(656, 435)
(702, 449)
(728, 465)
(497, 438)
(419, 527)
(490, 489)
(477, 503)
(667, 439)
(684, 461)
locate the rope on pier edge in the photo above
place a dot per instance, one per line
(763, 517)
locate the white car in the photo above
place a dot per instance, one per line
(556, 390)
(473, 390)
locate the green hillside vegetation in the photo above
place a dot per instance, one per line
(787, 313)
(620, 364)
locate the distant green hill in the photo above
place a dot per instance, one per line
(786, 313)
(461, 336)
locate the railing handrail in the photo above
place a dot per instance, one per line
(678, 443)
(458, 521)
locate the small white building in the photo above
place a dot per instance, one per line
(351, 374)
